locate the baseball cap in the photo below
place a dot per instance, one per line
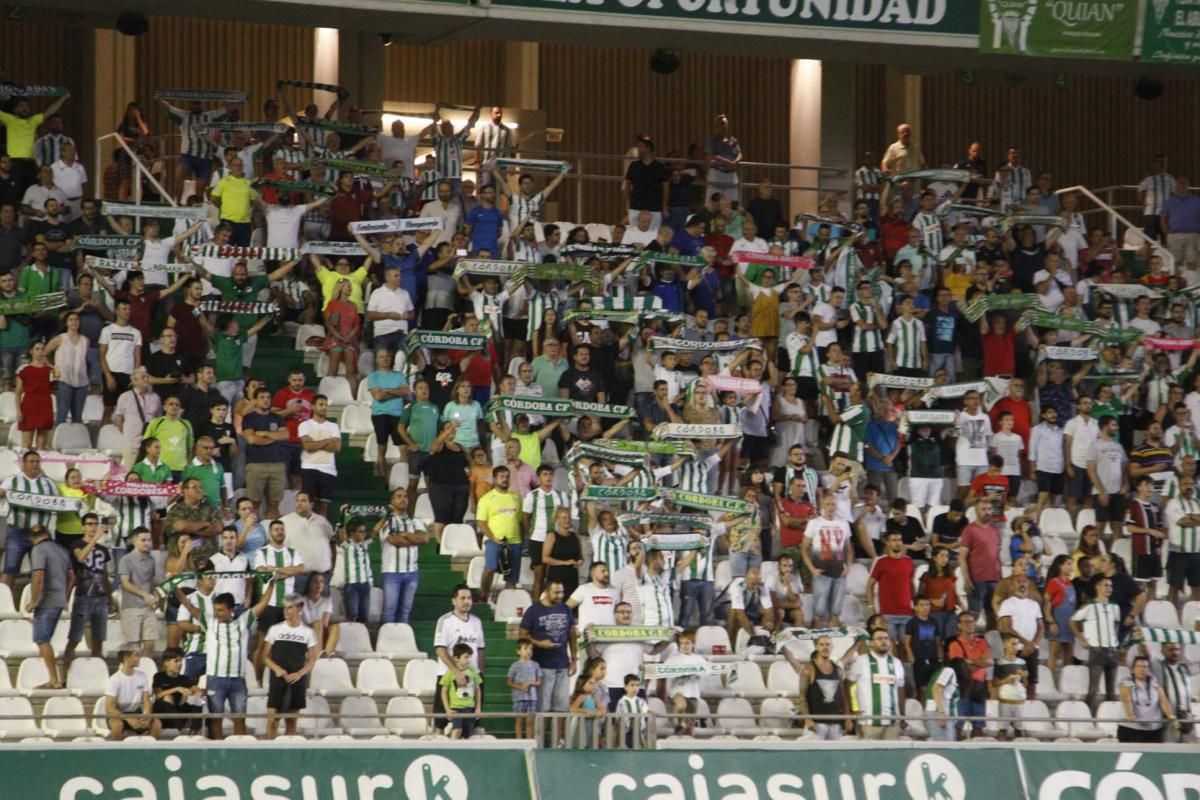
(693, 219)
(1041, 275)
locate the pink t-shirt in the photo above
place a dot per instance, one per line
(983, 557)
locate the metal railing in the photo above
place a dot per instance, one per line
(1115, 217)
(140, 170)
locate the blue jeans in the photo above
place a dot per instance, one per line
(45, 620)
(89, 613)
(979, 599)
(555, 692)
(968, 708)
(947, 624)
(358, 602)
(390, 342)
(70, 398)
(942, 361)
(691, 593)
(491, 559)
(222, 689)
(739, 563)
(16, 545)
(896, 623)
(828, 595)
(399, 589)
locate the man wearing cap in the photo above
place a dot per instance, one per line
(1049, 293)
(645, 185)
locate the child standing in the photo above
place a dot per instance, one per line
(1010, 447)
(524, 678)
(462, 701)
(354, 563)
(923, 641)
(583, 703)
(1009, 681)
(635, 710)
(941, 702)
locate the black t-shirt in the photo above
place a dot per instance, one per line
(441, 380)
(447, 467)
(582, 384)
(910, 531)
(11, 240)
(1025, 264)
(162, 681)
(948, 532)
(197, 404)
(54, 232)
(166, 365)
(646, 182)
(218, 431)
(924, 633)
(979, 167)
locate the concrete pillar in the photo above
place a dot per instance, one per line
(837, 129)
(113, 85)
(326, 45)
(360, 64)
(521, 74)
(805, 129)
(903, 102)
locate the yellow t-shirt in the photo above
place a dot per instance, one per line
(328, 278)
(70, 522)
(958, 284)
(21, 133)
(531, 448)
(237, 196)
(502, 512)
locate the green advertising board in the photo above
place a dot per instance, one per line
(1171, 32)
(262, 772)
(853, 771)
(1169, 773)
(944, 17)
(1059, 28)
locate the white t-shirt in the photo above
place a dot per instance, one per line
(283, 225)
(624, 658)
(828, 315)
(776, 586)
(827, 538)
(128, 690)
(639, 237)
(974, 431)
(393, 148)
(451, 629)
(233, 586)
(737, 595)
(688, 685)
(158, 252)
(1083, 432)
(319, 460)
(69, 178)
(122, 342)
(1025, 614)
(385, 300)
(596, 604)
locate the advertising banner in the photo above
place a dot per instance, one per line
(1171, 32)
(1059, 28)
(1169, 773)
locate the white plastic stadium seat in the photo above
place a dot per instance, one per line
(93, 409)
(474, 573)
(1031, 711)
(8, 407)
(749, 683)
(777, 715)
(420, 679)
(31, 674)
(355, 641)
(424, 509)
(337, 390)
(1083, 727)
(1073, 681)
(711, 636)
(397, 641)
(356, 420)
(72, 437)
(856, 579)
(317, 719)
(459, 539)
(111, 441)
(1108, 715)
(1055, 522)
(1047, 686)
(87, 677)
(406, 725)
(377, 678)
(511, 604)
(736, 715)
(398, 475)
(8, 609)
(63, 718)
(331, 678)
(306, 332)
(1161, 614)
(20, 722)
(359, 717)
(783, 680)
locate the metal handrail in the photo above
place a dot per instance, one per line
(137, 163)
(1117, 216)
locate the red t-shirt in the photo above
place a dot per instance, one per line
(894, 576)
(1056, 591)
(304, 398)
(721, 242)
(794, 537)
(993, 488)
(1022, 416)
(192, 341)
(983, 556)
(347, 207)
(141, 310)
(999, 357)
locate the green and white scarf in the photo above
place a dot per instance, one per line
(1013, 220)
(408, 225)
(273, 127)
(652, 518)
(106, 242)
(734, 346)
(1056, 353)
(999, 302)
(167, 587)
(487, 266)
(1128, 291)
(533, 164)
(230, 251)
(1044, 319)
(592, 451)
(650, 257)
(118, 264)
(201, 95)
(914, 417)
(706, 502)
(155, 210)
(304, 187)
(684, 430)
(666, 448)
(53, 503)
(31, 90)
(601, 250)
(948, 208)
(624, 317)
(339, 127)
(949, 175)
(572, 273)
(364, 510)
(952, 390)
(628, 494)
(897, 381)
(341, 91)
(1166, 635)
(684, 540)
(667, 671)
(350, 249)
(613, 634)
(812, 634)
(444, 340)
(33, 306)
(356, 166)
(237, 307)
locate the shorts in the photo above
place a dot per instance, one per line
(139, 625)
(122, 381)
(461, 722)
(291, 459)
(1014, 486)
(222, 689)
(491, 559)
(200, 167)
(524, 706)
(516, 328)
(416, 464)
(967, 474)
(1146, 567)
(1049, 482)
(265, 482)
(1114, 510)
(806, 388)
(271, 615)
(283, 696)
(385, 428)
(1079, 487)
(1183, 567)
(925, 491)
(755, 448)
(45, 620)
(534, 549)
(321, 485)
(829, 595)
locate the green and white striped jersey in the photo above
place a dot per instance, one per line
(700, 568)
(449, 153)
(867, 176)
(819, 291)
(399, 559)
(226, 647)
(194, 643)
(193, 141)
(849, 434)
(355, 562)
(1100, 623)
(804, 365)
(271, 556)
(1157, 188)
(930, 228)
(1182, 441)
(633, 707)
(522, 207)
(841, 398)
(906, 336)
(655, 594)
(611, 548)
(1182, 539)
(877, 681)
(692, 476)
(865, 341)
(944, 681)
(539, 506)
(132, 513)
(26, 518)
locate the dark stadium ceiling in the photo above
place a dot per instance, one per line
(442, 22)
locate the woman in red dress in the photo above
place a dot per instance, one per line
(35, 411)
(342, 328)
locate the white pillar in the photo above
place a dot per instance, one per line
(805, 99)
(325, 64)
(837, 130)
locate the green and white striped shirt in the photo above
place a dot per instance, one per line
(1182, 539)
(877, 681)
(930, 228)
(539, 506)
(611, 548)
(1099, 622)
(449, 153)
(819, 291)
(804, 365)
(692, 476)
(655, 594)
(193, 141)
(26, 518)
(194, 643)
(1157, 188)
(271, 556)
(849, 434)
(867, 176)
(634, 707)
(865, 341)
(700, 568)
(403, 558)
(1176, 680)
(524, 207)
(132, 513)
(225, 645)
(906, 336)
(355, 561)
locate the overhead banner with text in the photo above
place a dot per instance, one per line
(1171, 32)
(1059, 28)
(944, 17)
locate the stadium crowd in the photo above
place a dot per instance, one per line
(945, 384)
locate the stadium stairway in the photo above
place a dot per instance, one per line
(358, 485)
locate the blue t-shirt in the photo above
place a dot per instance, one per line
(468, 417)
(924, 633)
(671, 294)
(883, 436)
(386, 379)
(704, 293)
(406, 262)
(687, 244)
(486, 224)
(525, 672)
(942, 327)
(263, 453)
(553, 623)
